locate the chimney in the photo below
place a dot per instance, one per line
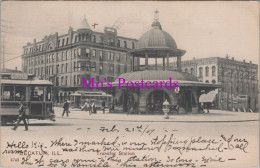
(244, 61)
(227, 57)
(16, 68)
(233, 58)
(250, 62)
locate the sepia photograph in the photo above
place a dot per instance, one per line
(129, 84)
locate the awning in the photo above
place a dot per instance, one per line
(209, 97)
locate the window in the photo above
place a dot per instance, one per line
(94, 38)
(101, 55)
(125, 44)
(78, 66)
(61, 82)
(58, 43)
(88, 66)
(41, 70)
(75, 79)
(52, 69)
(93, 66)
(108, 55)
(66, 55)
(8, 93)
(75, 66)
(79, 51)
(133, 45)
(213, 71)
(87, 52)
(57, 69)
(207, 71)
(76, 38)
(186, 70)
(20, 93)
(66, 80)
(101, 68)
(78, 79)
(75, 53)
(118, 57)
(62, 68)
(37, 93)
(63, 42)
(200, 72)
(62, 56)
(207, 81)
(213, 82)
(112, 56)
(67, 42)
(93, 53)
(66, 67)
(83, 36)
(118, 43)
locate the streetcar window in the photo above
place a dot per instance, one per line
(36, 93)
(8, 93)
(20, 93)
(48, 94)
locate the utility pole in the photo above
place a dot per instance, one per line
(3, 55)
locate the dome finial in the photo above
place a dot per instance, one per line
(156, 15)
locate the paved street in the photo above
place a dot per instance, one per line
(80, 125)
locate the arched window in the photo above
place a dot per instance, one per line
(207, 71)
(192, 71)
(206, 81)
(213, 81)
(201, 72)
(213, 71)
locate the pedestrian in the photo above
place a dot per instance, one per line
(104, 106)
(208, 105)
(66, 106)
(22, 116)
(89, 108)
(94, 110)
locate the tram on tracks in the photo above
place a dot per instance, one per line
(36, 94)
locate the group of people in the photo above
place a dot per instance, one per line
(91, 107)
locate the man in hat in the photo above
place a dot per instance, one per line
(22, 116)
(66, 106)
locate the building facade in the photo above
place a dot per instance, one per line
(66, 59)
(239, 80)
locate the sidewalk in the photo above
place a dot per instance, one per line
(213, 116)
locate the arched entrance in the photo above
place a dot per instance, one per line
(126, 100)
(155, 101)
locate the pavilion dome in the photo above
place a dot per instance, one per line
(156, 38)
(157, 75)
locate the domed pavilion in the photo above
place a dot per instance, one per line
(155, 51)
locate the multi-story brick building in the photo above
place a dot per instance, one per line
(239, 80)
(84, 53)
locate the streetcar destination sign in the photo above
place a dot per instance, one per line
(19, 76)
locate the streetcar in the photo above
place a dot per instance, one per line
(35, 94)
(80, 97)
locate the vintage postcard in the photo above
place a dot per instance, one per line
(129, 84)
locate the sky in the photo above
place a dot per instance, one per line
(203, 29)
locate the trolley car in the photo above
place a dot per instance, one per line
(36, 94)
